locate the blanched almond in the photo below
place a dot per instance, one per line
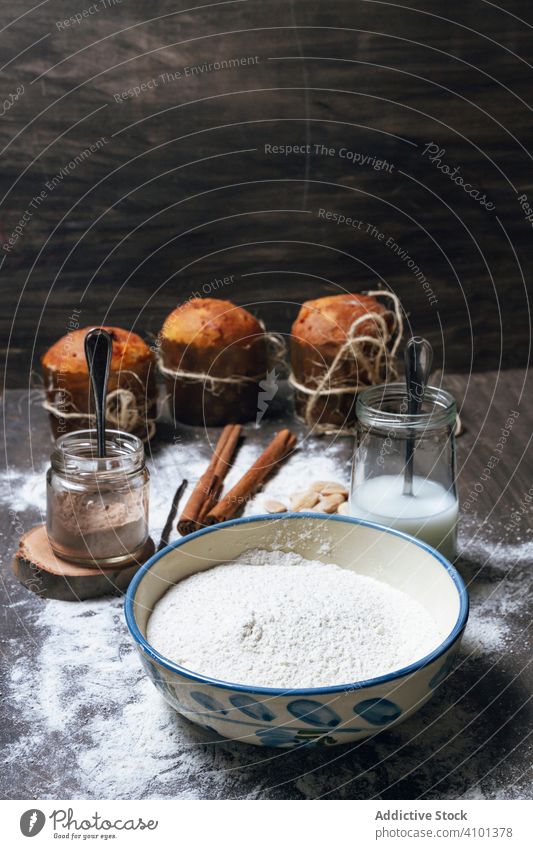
(304, 500)
(273, 506)
(319, 485)
(330, 503)
(334, 489)
(294, 497)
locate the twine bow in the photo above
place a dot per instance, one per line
(379, 362)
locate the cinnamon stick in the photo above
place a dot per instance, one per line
(207, 491)
(280, 447)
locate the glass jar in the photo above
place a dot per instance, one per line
(378, 487)
(97, 507)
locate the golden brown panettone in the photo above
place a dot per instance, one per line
(213, 356)
(324, 361)
(132, 392)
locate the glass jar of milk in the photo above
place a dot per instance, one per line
(384, 432)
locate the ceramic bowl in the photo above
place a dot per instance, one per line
(344, 713)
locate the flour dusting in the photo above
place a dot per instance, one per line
(87, 690)
(24, 490)
(494, 573)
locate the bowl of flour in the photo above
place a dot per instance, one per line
(297, 630)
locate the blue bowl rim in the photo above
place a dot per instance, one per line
(308, 691)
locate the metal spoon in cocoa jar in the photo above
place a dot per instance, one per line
(98, 349)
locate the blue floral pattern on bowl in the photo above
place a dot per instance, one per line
(314, 713)
(207, 701)
(378, 711)
(444, 671)
(252, 707)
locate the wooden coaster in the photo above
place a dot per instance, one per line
(37, 567)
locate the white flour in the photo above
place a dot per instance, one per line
(273, 619)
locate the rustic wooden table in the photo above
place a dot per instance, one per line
(80, 720)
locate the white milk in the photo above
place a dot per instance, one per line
(429, 514)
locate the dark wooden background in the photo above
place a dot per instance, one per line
(182, 191)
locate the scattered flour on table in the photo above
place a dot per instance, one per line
(24, 490)
(274, 619)
(314, 462)
(482, 544)
(168, 467)
(84, 693)
(495, 573)
(88, 723)
(169, 464)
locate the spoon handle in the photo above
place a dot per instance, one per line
(98, 349)
(418, 359)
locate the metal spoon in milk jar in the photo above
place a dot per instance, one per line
(418, 357)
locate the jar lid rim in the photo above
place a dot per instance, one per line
(444, 407)
(125, 448)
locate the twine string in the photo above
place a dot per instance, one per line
(123, 409)
(276, 352)
(379, 362)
